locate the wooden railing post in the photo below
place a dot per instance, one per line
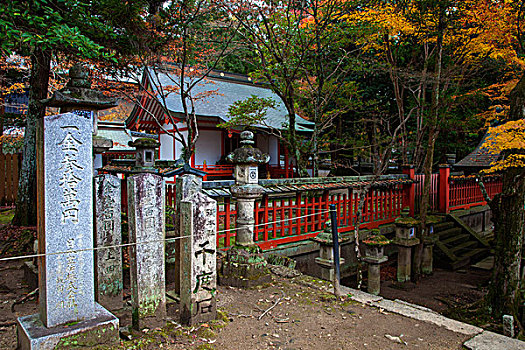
(409, 189)
(444, 189)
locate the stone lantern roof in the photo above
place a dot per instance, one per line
(77, 94)
(247, 154)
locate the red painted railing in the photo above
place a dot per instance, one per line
(285, 220)
(213, 171)
(464, 192)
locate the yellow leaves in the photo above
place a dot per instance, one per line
(511, 161)
(509, 136)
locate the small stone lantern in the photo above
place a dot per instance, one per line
(405, 239)
(374, 256)
(429, 240)
(326, 253)
(77, 96)
(145, 152)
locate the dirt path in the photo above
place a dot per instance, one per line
(442, 290)
(305, 316)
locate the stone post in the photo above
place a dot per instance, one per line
(405, 239)
(374, 256)
(244, 264)
(65, 234)
(186, 186)
(108, 261)
(146, 200)
(326, 253)
(198, 227)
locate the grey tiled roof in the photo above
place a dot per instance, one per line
(481, 157)
(229, 91)
(117, 132)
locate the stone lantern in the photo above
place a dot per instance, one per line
(246, 189)
(429, 240)
(326, 258)
(77, 96)
(244, 265)
(405, 239)
(145, 152)
(374, 257)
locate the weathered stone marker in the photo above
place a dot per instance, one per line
(198, 259)
(108, 261)
(186, 185)
(65, 223)
(147, 230)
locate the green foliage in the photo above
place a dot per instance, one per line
(86, 29)
(248, 112)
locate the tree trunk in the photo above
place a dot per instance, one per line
(25, 213)
(508, 216)
(429, 159)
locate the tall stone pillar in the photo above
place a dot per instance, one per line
(67, 306)
(244, 265)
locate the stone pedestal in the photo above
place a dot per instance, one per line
(108, 261)
(405, 239)
(244, 267)
(65, 235)
(374, 257)
(102, 328)
(198, 259)
(146, 196)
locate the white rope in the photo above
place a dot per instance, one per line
(90, 249)
(153, 241)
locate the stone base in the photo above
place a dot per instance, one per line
(244, 275)
(103, 329)
(244, 267)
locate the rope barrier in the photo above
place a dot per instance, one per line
(90, 249)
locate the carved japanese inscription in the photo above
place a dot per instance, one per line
(198, 263)
(66, 219)
(108, 267)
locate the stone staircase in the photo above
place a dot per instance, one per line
(458, 245)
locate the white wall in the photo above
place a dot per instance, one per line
(166, 147)
(273, 149)
(208, 147)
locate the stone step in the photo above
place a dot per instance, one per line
(442, 226)
(468, 245)
(476, 254)
(451, 232)
(455, 240)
